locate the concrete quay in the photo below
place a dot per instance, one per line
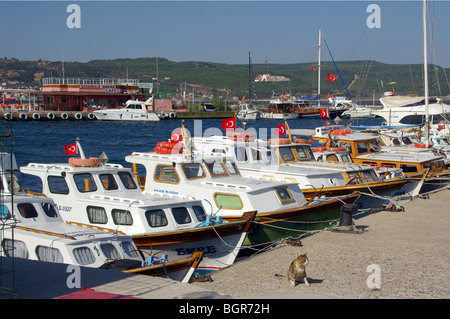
(394, 255)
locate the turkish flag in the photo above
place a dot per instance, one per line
(280, 130)
(229, 123)
(71, 149)
(332, 77)
(323, 113)
(313, 68)
(176, 136)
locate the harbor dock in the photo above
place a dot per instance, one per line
(410, 249)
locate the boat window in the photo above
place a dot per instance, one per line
(228, 201)
(199, 213)
(49, 254)
(181, 215)
(4, 212)
(156, 218)
(110, 251)
(83, 256)
(286, 154)
(374, 146)
(16, 248)
(406, 140)
(218, 151)
(241, 154)
(96, 215)
(85, 183)
(166, 174)
(284, 194)
(129, 249)
(122, 217)
(345, 158)
(49, 210)
(370, 176)
(362, 147)
(231, 168)
(408, 168)
(261, 154)
(108, 182)
(332, 158)
(395, 141)
(193, 170)
(413, 119)
(27, 210)
(216, 168)
(127, 180)
(58, 185)
(304, 153)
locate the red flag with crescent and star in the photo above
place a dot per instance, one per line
(280, 130)
(332, 77)
(324, 113)
(71, 149)
(176, 136)
(229, 124)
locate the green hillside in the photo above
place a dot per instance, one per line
(231, 80)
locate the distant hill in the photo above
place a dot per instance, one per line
(365, 79)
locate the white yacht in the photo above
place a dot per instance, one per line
(132, 111)
(33, 229)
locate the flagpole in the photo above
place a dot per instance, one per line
(289, 131)
(80, 149)
(318, 76)
(185, 138)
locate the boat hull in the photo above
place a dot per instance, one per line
(220, 243)
(295, 223)
(115, 115)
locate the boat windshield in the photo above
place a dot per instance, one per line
(286, 155)
(216, 168)
(304, 153)
(193, 170)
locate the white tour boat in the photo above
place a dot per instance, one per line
(132, 111)
(281, 159)
(248, 112)
(108, 195)
(33, 229)
(281, 207)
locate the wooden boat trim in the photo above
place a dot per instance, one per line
(173, 266)
(240, 225)
(96, 227)
(39, 231)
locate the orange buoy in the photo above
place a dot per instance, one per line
(279, 140)
(86, 162)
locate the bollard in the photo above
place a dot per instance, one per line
(346, 218)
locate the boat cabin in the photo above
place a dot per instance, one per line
(214, 179)
(365, 149)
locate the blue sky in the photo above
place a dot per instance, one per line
(222, 31)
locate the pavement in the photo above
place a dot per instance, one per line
(397, 241)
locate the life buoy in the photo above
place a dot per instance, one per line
(421, 145)
(241, 136)
(336, 149)
(301, 141)
(173, 115)
(64, 116)
(8, 116)
(169, 148)
(87, 162)
(340, 132)
(23, 116)
(318, 149)
(91, 116)
(279, 140)
(78, 116)
(36, 116)
(51, 116)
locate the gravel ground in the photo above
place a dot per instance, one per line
(411, 249)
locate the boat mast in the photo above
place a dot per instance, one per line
(425, 70)
(318, 66)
